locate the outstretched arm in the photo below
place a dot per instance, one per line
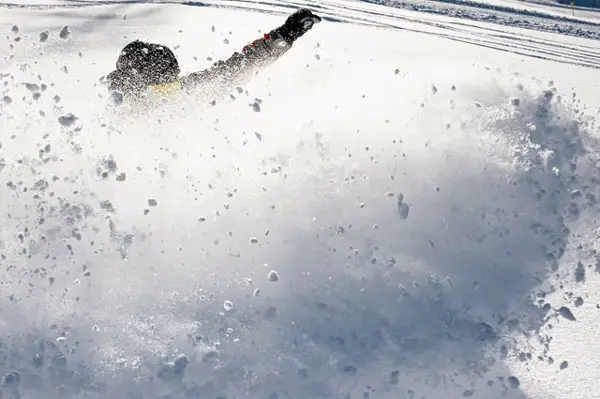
(255, 55)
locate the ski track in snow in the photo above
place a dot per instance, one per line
(413, 232)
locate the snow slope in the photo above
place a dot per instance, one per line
(403, 206)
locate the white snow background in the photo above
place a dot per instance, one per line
(404, 206)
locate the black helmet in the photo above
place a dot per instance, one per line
(141, 64)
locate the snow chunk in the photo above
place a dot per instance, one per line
(273, 276)
(566, 313)
(115, 98)
(64, 32)
(44, 36)
(564, 365)
(403, 208)
(67, 120)
(11, 380)
(228, 305)
(580, 273)
(513, 382)
(32, 87)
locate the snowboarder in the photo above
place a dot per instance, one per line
(146, 70)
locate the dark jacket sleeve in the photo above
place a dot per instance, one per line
(241, 65)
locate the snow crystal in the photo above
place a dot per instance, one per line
(273, 275)
(64, 32)
(67, 120)
(228, 305)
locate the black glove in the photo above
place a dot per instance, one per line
(298, 24)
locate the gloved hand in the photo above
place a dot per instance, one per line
(298, 24)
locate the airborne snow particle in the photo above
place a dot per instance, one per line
(433, 89)
(395, 377)
(7, 100)
(396, 71)
(116, 98)
(11, 380)
(44, 36)
(180, 363)
(566, 313)
(64, 32)
(121, 177)
(67, 119)
(564, 365)
(253, 240)
(513, 382)
(228, 305)
(273, 276)
(32, 87)
(403, 208)
(152, 202)
(15, 29)
(580, 273)
(578, 301)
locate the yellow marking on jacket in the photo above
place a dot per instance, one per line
(164, 89)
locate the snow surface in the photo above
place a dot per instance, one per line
(404, 206)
